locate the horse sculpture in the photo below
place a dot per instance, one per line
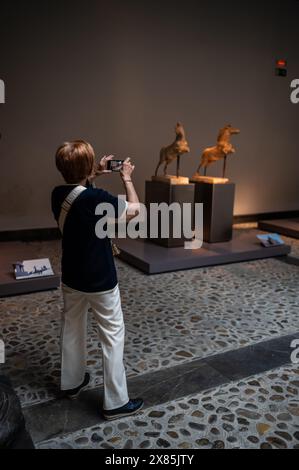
(220, 151)
(174, 151)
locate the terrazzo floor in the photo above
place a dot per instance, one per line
(261, 412)
(170, 319)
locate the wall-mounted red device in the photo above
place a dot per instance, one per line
(281, 69)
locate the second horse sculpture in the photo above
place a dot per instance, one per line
(220, 151)
(174, 151)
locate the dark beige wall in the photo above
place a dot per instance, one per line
(121, 73)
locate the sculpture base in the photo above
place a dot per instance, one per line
(172, 180)
(153, 259)
(208, 179)
(157, 192)
(218, 201)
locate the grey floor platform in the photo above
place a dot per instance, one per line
(154, 259)
(287, 227)
(9, 254)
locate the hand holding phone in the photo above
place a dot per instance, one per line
(115, 165)
(102, 167)
(127, 169)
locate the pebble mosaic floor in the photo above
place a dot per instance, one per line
(260, 412)
(170, 319)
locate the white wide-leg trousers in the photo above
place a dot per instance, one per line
(106, 308)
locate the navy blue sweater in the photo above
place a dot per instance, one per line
(87, 261)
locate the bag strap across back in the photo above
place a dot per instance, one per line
(67, 205)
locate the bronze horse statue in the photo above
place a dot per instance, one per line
(220, 151)
(174, 151)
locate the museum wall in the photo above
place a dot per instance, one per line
(122, 73)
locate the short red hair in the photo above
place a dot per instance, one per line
(75, 161)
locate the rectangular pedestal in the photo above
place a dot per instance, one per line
(287, 227)
(153, 259)
(157, 193)
(15, 251)
(218, 200)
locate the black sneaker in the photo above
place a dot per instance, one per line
(73, 394)
(133, 407)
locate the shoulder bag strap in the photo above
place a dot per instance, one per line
(67, 204)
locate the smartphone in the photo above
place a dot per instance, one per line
(115, 165)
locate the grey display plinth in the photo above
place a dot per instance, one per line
(153, 259)
(157, 192)
(218, 200)
(287, 227)
(13, 252)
